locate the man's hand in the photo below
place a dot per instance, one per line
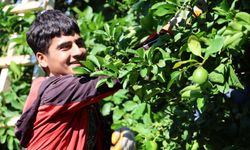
(123, 139)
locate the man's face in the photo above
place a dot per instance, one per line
(64, 54)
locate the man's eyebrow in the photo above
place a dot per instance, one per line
(64, 44)
(79, 39)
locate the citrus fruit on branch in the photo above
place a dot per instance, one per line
(200, 75)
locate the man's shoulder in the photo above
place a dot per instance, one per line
(63, 81)
(65, 77)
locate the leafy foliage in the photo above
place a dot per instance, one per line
(159, 100)
(12, 101)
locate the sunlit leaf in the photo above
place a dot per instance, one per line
(179, 63)
(243, 16)
(174, 77)
(215, 46)
(194, 45)
(138, 111)
(233, 79)
(218, 74)
(117, 114)
(106, 108)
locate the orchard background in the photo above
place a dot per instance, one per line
(163, 101)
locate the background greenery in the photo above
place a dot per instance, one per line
(159, 101)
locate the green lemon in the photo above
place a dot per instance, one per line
(152, 145)
(200, 75)
(147, 22)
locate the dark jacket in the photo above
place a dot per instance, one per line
(61, 113)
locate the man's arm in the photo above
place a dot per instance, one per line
(70, 89)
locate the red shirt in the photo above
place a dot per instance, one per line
(61, 113)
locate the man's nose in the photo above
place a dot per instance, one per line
(78, 51)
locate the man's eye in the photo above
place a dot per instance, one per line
(80, 43)
(65, 47)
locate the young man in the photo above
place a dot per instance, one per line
(61, 111)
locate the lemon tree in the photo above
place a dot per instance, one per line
(179, 93)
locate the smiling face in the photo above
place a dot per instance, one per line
(64, 54)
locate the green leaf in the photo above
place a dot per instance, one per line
(137, 113)
(117, 114)
(191, 91)
(10, 132)
(161, 63)
(190, 87)
(107, 28)
(101, 82)
(233, 79)
(155, 70)
(156, 5)
(174, 76)
(243, 16)
(147, 120)
(140, 52)
(95, 60)
(88, 64)
(102, 73)
(132, 51)
(231, 41)
(223, 88)
(119, 96)
(88, 13)
(130, 66)
(81, 71)
(15, 69)
(97, 48)
(192, 94)
(200, 104)
(10, 143)
(106, 108)
(177, 36)
(101, 32)
(112, 67)
(110, 82)
(235, 26)
(184, 135)
(194, 45)
(218, 74)
(125, 82)
(161, 12)
(130, 105)
(3, 138)
(141, 129)
(195, 145)
(123, 73)
(144, 72)
(16, 104)
(215, 46)
(179, 63)
(136, 87)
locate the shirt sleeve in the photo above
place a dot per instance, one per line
(33, 94)
(68, 89)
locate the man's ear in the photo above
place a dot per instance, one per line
(42, 59)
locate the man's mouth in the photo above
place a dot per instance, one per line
(75, 63)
